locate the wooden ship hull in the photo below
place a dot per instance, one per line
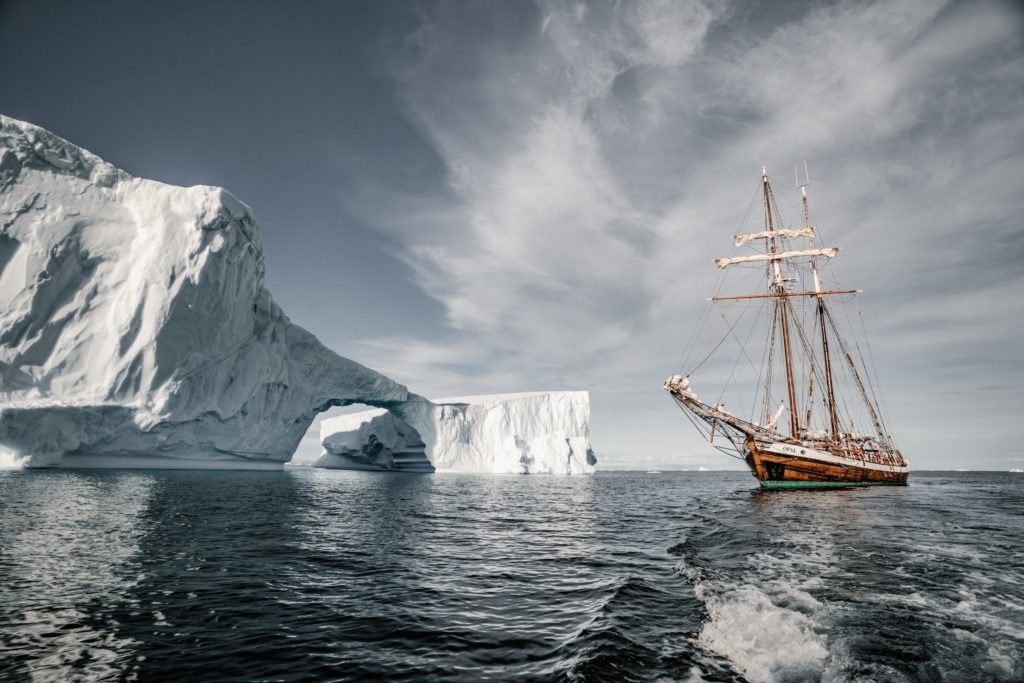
(778, 461)
(780, 465)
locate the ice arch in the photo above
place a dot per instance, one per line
(135, 329)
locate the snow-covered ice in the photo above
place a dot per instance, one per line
(135, 329)
(544, 432)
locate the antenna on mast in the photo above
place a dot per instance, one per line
(807, 175)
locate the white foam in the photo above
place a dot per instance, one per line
(765, 621)
(989, 617)
(762, 640)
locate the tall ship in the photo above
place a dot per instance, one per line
(815, 418)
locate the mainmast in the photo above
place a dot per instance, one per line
(830, 393)
(777, 251)
(779, 288)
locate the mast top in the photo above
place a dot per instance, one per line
(803, 186)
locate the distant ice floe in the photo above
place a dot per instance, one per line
(528, 433)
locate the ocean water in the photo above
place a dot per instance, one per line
(331, 575)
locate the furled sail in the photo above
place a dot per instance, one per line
(787, 232)
(827, 251)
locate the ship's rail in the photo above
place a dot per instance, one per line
(879, 456)
(859, 449)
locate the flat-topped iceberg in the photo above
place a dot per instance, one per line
(529, 433)
(135, 329)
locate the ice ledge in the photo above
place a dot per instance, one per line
(526, 433)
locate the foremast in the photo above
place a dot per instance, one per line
(779, 288)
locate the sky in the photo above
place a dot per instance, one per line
(515, 196)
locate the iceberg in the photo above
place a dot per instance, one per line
(135, 329)
(526, 433)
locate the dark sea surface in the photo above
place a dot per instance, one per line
(332, 575)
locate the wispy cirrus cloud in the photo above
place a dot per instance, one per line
(598, 155)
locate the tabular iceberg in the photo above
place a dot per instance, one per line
(135, 329)
(539, 433)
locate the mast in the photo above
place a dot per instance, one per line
(829, 391)
(778, 288)
(833, 416)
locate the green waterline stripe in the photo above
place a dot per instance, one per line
(826, 484)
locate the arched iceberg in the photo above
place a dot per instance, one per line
(135, 329)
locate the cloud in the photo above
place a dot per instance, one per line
(598, 156)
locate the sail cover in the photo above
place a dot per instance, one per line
(827, 251)
(795, 232)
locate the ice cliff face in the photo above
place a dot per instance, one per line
(134, 325)
(535, 433)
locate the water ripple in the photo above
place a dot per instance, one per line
(319, 575)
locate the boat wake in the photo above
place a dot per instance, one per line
(768, 631)
(762, 613)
